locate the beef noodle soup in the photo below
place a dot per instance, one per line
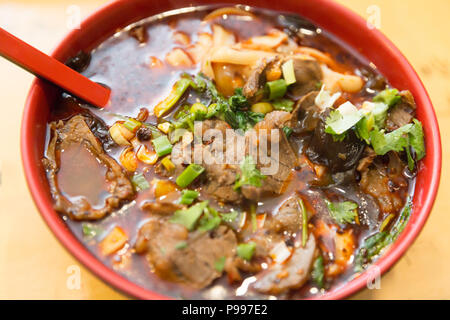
(244, 154)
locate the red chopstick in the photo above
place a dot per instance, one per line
(51, 69)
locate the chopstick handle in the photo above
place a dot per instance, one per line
(51, 69)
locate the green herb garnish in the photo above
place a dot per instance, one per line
(249, 175)
(246, 250)
(343, 212)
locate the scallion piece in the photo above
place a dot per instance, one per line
(189, 174)
(188, 196)
(139, 182)
(132, 124)
(276, 89)
(288, 72)
(219, 264)
(175, 94)
(304, 222)
(246, 250)
(162, 146)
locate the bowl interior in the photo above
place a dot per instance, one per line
(355, 33)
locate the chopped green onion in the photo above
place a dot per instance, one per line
(90, 230)
(181, 245)
(288, 72)
(304, 222)
(188, 196)
(199, 110)
(287, 131)
(219, 264)
(283, 104)
(139, 182)
(276, 89)
(246, 250)
(318, 271)
(229, 217)
(209, 223)
(175, 94)
(189, 217)
(132, 124)
(189, 174)
(162, 145)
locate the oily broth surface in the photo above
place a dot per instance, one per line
(122, 64)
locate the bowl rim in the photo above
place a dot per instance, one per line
(110, 277)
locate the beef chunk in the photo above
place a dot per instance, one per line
(76, 132)
(402, 113)
(257, 78)
(287, 219)
(291, 274)
(193, 264)
(308, 75)
(386, 183)
(306, 115)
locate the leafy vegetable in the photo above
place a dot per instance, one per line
(246, 250)
(343, 212)
(342, 119)
(374, 244)
(250, 175)
(283, 104)
(287, 131)
(139, 182)
(238, 101)
(317, 273)
(229, 217)
(90, 230)
(188, 196)
(416, 139)
(324, 99)
(219, 264)
(181, 245)
(189, 217)
(388, 96)
(209, 223)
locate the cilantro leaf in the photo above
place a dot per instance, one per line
(189, 217)
(209, 223)
(250, 175)
(219, 264)
(342, 119)
(229, 217)
(396, 140)
(317, 274)
(416, 139)
(343, 212)
(246, 250)
(388, 96)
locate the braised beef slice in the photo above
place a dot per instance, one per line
(308, 75)
(193, 264)
(257, 78)
(336, 155)
(163, 206)
(306, 115)
(291, 274)
(76, 132)
(402, 112)
(386, 183)
(281, 155)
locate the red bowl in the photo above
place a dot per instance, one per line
(338, 20)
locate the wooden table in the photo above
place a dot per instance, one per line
(34, 265)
